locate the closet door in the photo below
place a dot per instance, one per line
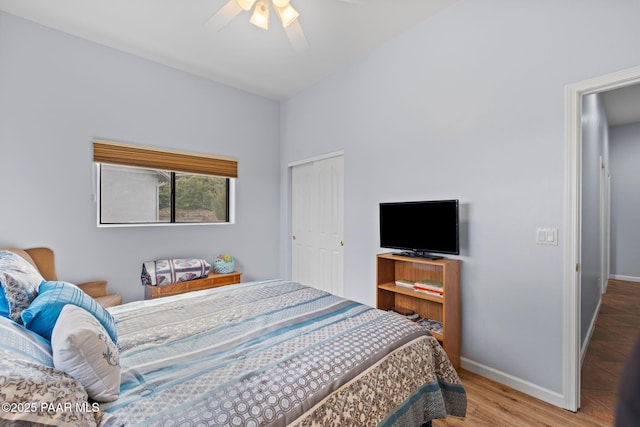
(317, 223)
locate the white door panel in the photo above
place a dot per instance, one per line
(317, 211)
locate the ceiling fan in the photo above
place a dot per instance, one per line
(260, 17)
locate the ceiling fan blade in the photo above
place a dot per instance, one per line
(296, 36)
(222, 17)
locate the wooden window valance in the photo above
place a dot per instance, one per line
(158, 158)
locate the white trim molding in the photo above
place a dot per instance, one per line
(316, 158)
(592, 328)
(515, 383)
(571, 292)
(625, 278)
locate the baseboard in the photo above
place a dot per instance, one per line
(549, 396)
(626, 278)
(592, 327)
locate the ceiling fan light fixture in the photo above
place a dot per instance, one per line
(246, 4)
(280, 3)
(260, 17)
(287, 14)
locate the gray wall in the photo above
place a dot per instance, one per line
(595, 145)
(625, 195)
(58, 92)
(469, 104)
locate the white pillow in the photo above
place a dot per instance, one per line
(83, 349)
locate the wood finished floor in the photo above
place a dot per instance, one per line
(617, 327)
(616, 331)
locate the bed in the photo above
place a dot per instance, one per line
(268, 353)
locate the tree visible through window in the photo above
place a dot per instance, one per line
(198, 198)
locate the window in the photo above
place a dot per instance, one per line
(133, 190)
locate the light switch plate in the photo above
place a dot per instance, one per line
(547, 236)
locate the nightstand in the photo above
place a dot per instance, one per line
(213, 280)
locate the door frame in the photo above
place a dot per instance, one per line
(573, 221)
(314, 159)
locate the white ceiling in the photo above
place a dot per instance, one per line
(172, 32)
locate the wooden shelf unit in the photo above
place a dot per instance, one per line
(445, 309)
(213, 280)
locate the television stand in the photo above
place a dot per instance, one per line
(443, 310)
(419, 254)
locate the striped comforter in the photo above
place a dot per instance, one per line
(276, 353)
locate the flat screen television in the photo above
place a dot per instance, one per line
(420, 229)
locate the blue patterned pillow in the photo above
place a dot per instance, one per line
(42, 314)
(19, 281)
(4, 304)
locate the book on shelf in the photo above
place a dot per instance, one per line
(404, 283)
(430, 284)
(431, 325)
(430, 287)
(428, 291)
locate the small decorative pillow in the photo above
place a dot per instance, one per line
(42, 314)
(19, 281)
(82, 348)
(167, 271)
